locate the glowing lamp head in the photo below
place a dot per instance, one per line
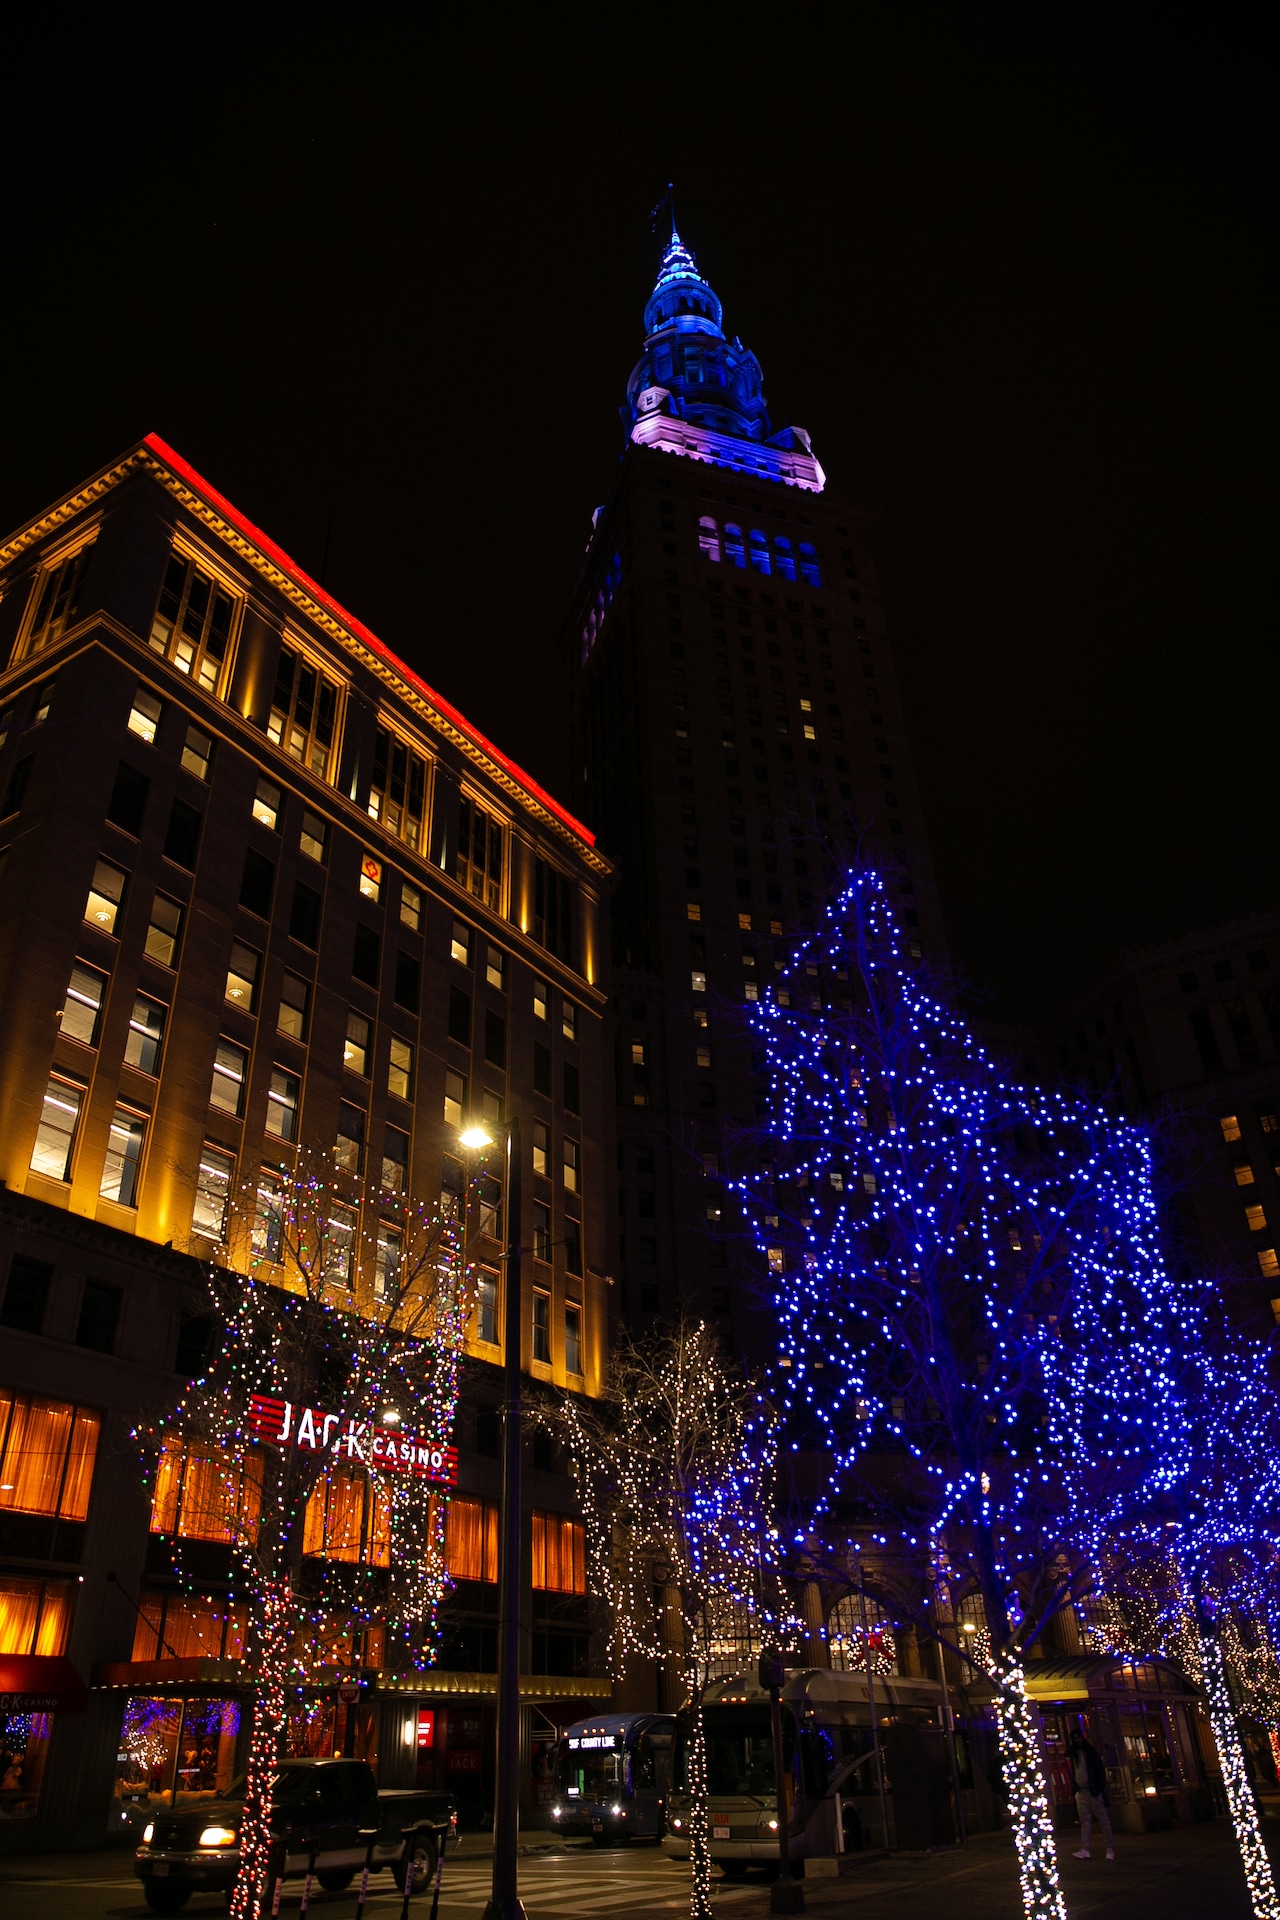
(475, 1137)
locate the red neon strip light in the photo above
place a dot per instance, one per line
(271, 551)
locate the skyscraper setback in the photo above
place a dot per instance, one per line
(737, 733)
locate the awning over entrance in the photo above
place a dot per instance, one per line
(40, 1683)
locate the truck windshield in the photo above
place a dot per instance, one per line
(593, 1775)
(739, 1750)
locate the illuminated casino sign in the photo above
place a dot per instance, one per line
(369, 1443)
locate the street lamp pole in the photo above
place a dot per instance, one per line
(504, 1901)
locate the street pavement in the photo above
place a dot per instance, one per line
(1193, 1874)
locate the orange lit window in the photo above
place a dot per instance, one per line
(193, 622)
(202, 1493)
(56, 603)
(349, 1518)
(47, 1451)
(34, 1615)
(398, 788)
(559, 1554)
(471, 1540)
(181, 1626)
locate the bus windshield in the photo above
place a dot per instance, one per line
(592, 1775)
(739, 1751)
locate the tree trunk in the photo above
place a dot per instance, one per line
(699, 1838)
(1244, 1814)
(252, 1895)
(1024, 1778)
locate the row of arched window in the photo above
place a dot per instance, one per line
(790, 561)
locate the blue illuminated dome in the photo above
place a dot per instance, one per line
(688, 368)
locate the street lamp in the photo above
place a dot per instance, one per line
(504, 1900)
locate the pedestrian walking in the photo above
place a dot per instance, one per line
(1092, 1799)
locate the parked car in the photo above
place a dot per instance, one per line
(323, 1812)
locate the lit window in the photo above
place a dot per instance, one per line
(775, 1259)
(455, 1098)
(395, 1160)
(1244, 1174)
(197, 753)
(759, 546)
(410, 906)
(542, 1329)
(573, 1343)
(144, 714)
(337, 1255)
(35, 1617)
(495, 969)
(400, 1070)
(202, 1493)
(397, 790)
(230, 1067)
(388, 1260)
(471, 1539)
(784, 558)
(348, 1517)
(540, 999)
(192, 624)
(242, 976)
(57, 600)
(571, 1165)
(810, 571)
(810, 733)
(164, 930)
(480, 855)
(698, 981)
(1269, 1122)
(744, 922)
(559, 1548)
(355, 1051)
(693, 910)
(146, 1035)
(371, 877)
(806, 706)
(214, 1174)
(1269, 1265)
(569, 1019)
(542, 1232)
(750, 990)
(292, 1017)
(304, 711)
(1230, 1126)
(734, 550)
(268, 1220)
(1256, 1217)
(708, 539)
(541, 1147)
(125, 1142)
(82, 1007)
(47, 1454)
(637, 1053)
(56, 1135)
(487, 1307)
(105, 896)
(282, 1104)
(314, 835)
(266, 804)
(704, 1056)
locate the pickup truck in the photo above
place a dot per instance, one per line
(323, 1812)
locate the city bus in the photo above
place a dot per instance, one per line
(829, 1762)
(612, 1776)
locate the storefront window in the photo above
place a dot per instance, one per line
(202, 1493)
(24, 1745)
(175, 1750)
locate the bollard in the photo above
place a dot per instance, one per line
(435, 1898)
(371, 1835)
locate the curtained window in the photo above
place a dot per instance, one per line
(35, 1616)
(47, 1451)
(202, 1493)
(559, 1554)
(182, 1626)
(471, 1540)
(349, 1518)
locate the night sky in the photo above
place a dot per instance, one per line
(384, 290)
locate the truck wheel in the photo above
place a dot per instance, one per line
(422, 1851)
(166, 1896)
(336, 1879)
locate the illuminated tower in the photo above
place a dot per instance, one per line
(736, 727)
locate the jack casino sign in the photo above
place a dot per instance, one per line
(368, 1443)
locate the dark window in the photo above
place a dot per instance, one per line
(183, 838)
(1206, 1040)
(572, 1247)
(1242, 1032)
(364, 958)
(553, 911)
(304, 921)
(26, 1295)
(572, 1098)
(488, 1429)
(99, 1315)
(1258, 961)
(408, 980)
(257, 882)
(1188, 982)
(541, 1069)
(194, 1336)
(495, 1040)
(17, 785)
(349, 1150)
(460, 1016)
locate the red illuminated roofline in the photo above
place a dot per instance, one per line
(277, 554)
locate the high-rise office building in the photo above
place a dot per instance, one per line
(737, 734)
